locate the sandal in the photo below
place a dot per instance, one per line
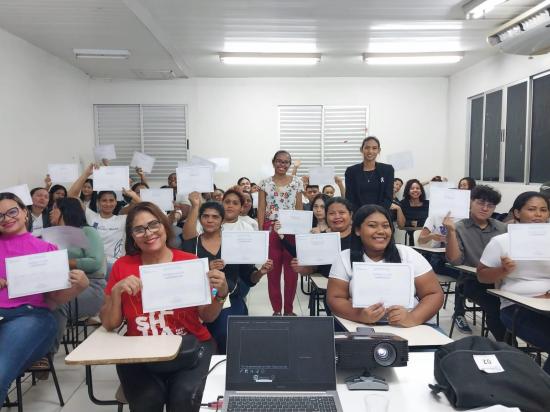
(41, 369)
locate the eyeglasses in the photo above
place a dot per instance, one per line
(13, 213)
(282, 162)
(484, 203)
(153, 226)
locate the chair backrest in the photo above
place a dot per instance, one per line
(416, 235)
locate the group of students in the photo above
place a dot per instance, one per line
(122, 237)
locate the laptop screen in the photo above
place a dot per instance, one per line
(280, 354)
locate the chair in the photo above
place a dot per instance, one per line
(317, 295)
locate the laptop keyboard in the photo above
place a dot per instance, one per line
(282, 403)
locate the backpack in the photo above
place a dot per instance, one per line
(476, 372)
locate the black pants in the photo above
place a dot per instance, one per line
(179, 391)
(439, 267)
(477, 292)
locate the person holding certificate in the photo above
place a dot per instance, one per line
(179, 384)
(524, 277)
(39, 218)
(27, 325)
(373, 242)
(240, 277)
(91, 260)
(280, 192)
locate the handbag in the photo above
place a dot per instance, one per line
(477, 372)
(188, 357)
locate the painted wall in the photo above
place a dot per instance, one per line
(45, 114)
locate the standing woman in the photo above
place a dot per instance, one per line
(279, 192)
(27, 326)
(39, 217)
(370, 182)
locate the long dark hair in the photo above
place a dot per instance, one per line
(93, 200)
(71, 212)
(523, 198)
(324, 198)
(406, 194)
(54, 189)
(391, 254)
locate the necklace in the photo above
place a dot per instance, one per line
(369, 175)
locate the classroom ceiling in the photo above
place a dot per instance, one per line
(182, 38)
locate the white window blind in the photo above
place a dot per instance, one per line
(156, 130)
(323, 135)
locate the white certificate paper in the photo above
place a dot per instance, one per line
(63, 172)
(195, 178)
(221, 164)
(111, 178)
(143, 161)
(175, 285)
(443, 201)
(254, 199)
(163, 198)
(21, 191)
(321, 176)
(38, 273)
(106, 151)
(388, 283)
(317, 249)
(245, 247)
(295, 222)
(529, 241)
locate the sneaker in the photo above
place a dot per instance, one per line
(276, 314)
(290, 314)
(462, 325)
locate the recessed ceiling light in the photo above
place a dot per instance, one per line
(476, 9)
(271, 59)
(294, 46)
(101, 54)
(414, 45)
(411, 58)
(426, 25)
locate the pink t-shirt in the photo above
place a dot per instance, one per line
(21, 245)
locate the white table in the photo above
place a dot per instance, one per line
(536, 304)
(419, 337)
(437, 250)
(408, 387)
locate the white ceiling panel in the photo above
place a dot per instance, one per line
(184, 36)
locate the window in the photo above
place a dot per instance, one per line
(156, 130)
(323, 135)
(540, 131)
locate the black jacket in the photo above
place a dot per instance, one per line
(45, 217)
(354, 174)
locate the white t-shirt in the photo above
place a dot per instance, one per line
(111, 231)
(341, 268)
(241, 225)
(252, 222)
(435, 225)
(530, 278)
(37, 225)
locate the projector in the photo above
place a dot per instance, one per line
(367, 350)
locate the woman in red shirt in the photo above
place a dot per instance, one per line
(150, 386)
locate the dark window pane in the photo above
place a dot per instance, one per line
(491, 146)
(540, 132)
(516, 108)
(476, 133)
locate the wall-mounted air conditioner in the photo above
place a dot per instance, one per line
(527, 34)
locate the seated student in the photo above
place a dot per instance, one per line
(240, 278)
(466, 183)
(329, 189)
(147, 389)
(310, 192)
(319, 214)
(39, 217)
(412, 210)
(525, 277)
(244, 184)
(87, 195)
(466, 241)
(56, 192)
(248, 213)
(397, 185)
(373, 242)
(217, 195)
(27, 326)
(91, 260)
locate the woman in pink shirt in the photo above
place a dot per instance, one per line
(27, 325)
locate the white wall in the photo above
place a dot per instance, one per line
(489, 74)
(45, 115)
(238, 118)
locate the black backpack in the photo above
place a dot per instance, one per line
(522, 384)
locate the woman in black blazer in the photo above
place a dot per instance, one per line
(370, 182)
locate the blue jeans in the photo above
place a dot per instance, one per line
(26, 334)
(530, 326)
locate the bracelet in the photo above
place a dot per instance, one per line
(220, 299)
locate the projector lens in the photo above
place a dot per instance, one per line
(384, 354)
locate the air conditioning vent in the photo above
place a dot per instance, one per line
(144, 74)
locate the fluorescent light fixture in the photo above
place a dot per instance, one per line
(101, 54)
(271, 59)
(299, 46)
(426, 25)
(476, 9)
(415, 45)
(411, 58)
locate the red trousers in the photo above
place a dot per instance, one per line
(281, 261)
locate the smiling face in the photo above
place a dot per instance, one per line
(319, 209)
(397, 184)
(370, 150)
(107, 204)
(13, 218)
(40, 198)
(153, 239)
(415, 191)
(87, 189)
(211, 221)
(245, 185)
(375, 233)
(535, 210)
(463, 185)
(248, 203)
(173, 180)
(329, 191)
(232, 207)
(338, 217)
(281, 163)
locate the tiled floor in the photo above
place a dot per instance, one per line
(43, 398)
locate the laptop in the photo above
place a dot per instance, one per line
(280, 364)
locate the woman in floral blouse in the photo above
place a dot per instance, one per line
(279, 192)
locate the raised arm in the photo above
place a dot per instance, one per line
(190, 226)
(340, 183)
(76, 187)
(453, 250)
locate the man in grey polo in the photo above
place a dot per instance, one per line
(466, 241)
